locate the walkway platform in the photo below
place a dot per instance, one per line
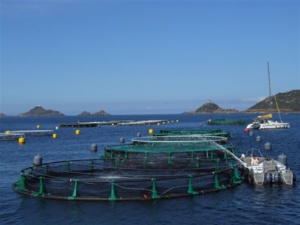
(116, 122)
(10, 137)
(16, 134)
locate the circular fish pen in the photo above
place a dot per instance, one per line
(214, 132)
(149, 168)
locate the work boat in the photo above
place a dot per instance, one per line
(266, 170)
(266, 122)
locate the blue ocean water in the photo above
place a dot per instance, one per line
(244, 204)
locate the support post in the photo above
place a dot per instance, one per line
(197, 162)
(236, 178)
(170, 158)
(105, 154)
(41, 190)
(22, 185)
(112, 191)
(154, 191)
(225, 155)
(145, 159)
(68, 166)
(190, 186)
(218, 165)
(74, 190)
(116, 162)
(217, 185)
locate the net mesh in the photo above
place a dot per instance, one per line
(149, 168)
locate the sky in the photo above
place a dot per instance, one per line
(145, 56)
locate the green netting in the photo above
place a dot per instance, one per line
(149, 168)
(215, 132)
(99, 180)
(187, 144)
(226, 122)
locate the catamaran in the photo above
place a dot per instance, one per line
(265, 121)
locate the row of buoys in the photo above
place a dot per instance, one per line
(21, 140)
(267, 145)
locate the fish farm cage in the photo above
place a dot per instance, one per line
(226, 122)
(205, 132)
(154, 167)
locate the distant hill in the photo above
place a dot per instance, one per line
(287, 102)
(99, 113)
(2, 115)
(40, 111)
(211, 107)
(85, 113)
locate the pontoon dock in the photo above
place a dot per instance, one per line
(119, 123)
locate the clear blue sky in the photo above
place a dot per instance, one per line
(147, 56)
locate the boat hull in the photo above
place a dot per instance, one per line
(268, 125)
(270, 177)
(267, 172)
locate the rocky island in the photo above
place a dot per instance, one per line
(99, 113)
(288, 102)
(40, 111)
(211, 107)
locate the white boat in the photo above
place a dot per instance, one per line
(266, 170)
(265, 121)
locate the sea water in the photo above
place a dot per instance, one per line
(245, 204)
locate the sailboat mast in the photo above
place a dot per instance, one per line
(270, 94)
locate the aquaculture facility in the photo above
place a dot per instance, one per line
(167, 165)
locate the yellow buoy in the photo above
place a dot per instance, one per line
(54, 136)
(177, 121)
(112, 124)
(158, 124)
(7, 132)
(77, 132)
(21, 140)
(38, 126)
(150, 131)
